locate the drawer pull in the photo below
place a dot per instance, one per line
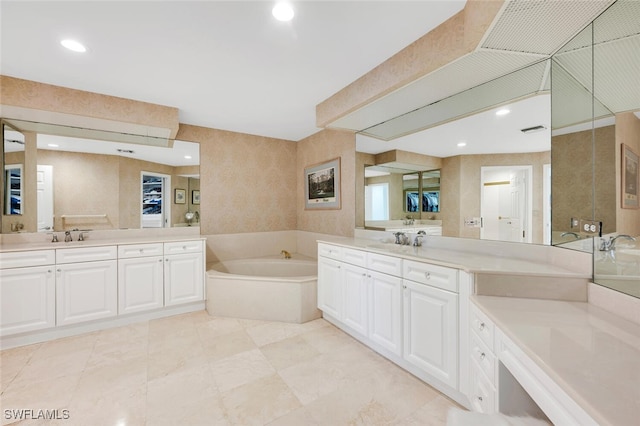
(481, 326)
(427, 275)
(482, 355)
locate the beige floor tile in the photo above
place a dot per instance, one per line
(240, 369)
(45, 394)
(259, 402)
(127, 374)
(39, 369)
(12, 361)
(201, 411)
(228, 345)
(174, 360)
(328, 339)
(210, 330)
(124, 406)
(434, 413)
(66, 345)
(171, 392)
(288, 352)
(298, 417)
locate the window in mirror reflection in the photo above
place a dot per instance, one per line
(377, 201)
(13, 190)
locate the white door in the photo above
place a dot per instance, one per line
(86, 291)
(44, 188)
(355, 298)
(330, 287)
(385, 321)
(140, 284)
(506, 203)
(183, 279)
(431, 330)
(27, 299)
(156, 200)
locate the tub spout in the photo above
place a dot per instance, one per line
(287, 255)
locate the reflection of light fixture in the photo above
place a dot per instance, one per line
(188, 157)
(282, 11)
(532, 129)
(73, 45)
(502, 111)
(461, 144)
(53, 145)
(189, 217)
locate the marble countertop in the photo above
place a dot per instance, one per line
(472, 262)
(46, 244)
(593, 355)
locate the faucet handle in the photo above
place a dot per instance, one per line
(54, 238)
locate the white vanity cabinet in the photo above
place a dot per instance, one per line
(386, 311)
(27, 291)
(483, 363)
(183, 272)
(140, 277)
(86, 284)
(330, 287)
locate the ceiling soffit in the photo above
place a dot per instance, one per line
(524, 33)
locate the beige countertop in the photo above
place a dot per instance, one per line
(46, 244)
(472, 262)
(593, 355)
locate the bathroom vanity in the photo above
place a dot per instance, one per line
(51, 290)
(427, 310)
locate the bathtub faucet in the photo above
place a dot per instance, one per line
(287, 255)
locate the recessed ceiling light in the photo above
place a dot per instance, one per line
(188, 157)
(53, 145)
(282, 11)
(461, 144)
(73, 45)
(503, 111)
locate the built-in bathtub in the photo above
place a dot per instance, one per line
(268, 288)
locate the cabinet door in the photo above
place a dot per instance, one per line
(385, 326)
(183, 279)
(330, 287)
(431, 330)
(140, 284)
(355, 313)
(27, 299)
(86, 291)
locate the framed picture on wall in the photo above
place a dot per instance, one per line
(180, 196)
(195, 196)
(630, 178)
(322, 185)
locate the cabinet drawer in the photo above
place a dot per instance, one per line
(355, 257)
(327, 250)
(481, 325)
(86, 254)
(20, 259)
(140, 250)
(483, 394)
(386, 264)
(181, 247)
(484, 358)
(433, 275)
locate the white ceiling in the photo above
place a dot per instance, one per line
(226, 65)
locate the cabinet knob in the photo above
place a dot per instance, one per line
(184, 247)
(427, 275)
(141, 251)
(481, 326)
(480, 398)
(59, 270)
(160, 260)
(482, 355)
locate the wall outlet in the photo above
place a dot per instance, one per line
(591, 227)
(473, 222)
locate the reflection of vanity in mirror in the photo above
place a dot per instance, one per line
(571, 142)
(87, 180)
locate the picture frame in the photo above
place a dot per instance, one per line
(195, 197)
(322, 186)
(180, 196)
(630, 178)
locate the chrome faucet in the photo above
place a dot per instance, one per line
(401, 238)
(67, 236)
(417, 241)
(286, 254)
(197, 215)
(610, 244)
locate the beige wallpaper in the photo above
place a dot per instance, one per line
(460, 193)
(324, 146)
(449, 41)
(627, 132)
(248, 182)
(572, 177)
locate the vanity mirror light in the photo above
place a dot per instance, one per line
(94, 181)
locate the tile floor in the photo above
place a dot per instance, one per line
(195, 369)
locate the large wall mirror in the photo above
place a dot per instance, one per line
(96, 181)
(596, 140)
